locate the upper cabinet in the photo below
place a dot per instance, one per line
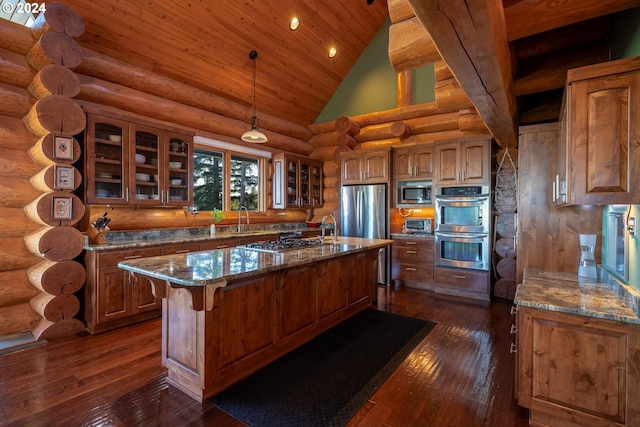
(132, 163)
(463, 162)
(365, 166)
(297, 182)
(413, 162)
(599, 151)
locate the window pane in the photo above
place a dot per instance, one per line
(244, 183)
(208, 183)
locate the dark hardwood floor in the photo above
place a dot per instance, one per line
(461, 374)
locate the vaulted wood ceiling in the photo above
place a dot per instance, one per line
(206, 43)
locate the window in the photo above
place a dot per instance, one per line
(244, 183)
(208, 180)
(226, 176)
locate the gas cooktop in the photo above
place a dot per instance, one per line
(281, 245)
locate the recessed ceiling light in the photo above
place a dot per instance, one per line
(294, 24)
(332, 52)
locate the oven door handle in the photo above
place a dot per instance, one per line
(468, 236)
(443, 199)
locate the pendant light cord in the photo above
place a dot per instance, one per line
(253, 55)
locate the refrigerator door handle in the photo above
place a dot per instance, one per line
(360, 211)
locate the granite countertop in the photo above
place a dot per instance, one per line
(413, 235)
(604, 297)
(144, 238)
(222, 265)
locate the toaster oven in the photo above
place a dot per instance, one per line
(417, 225)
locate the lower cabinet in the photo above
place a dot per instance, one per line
(114, 297)
(412, 262)
(575, 371)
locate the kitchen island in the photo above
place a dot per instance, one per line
(227, 313)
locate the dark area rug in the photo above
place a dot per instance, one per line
(325, 381)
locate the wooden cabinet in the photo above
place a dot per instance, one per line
(297, 182)
(412, 262)
(115, 297)
(413, 162)
(463, 161)
(599, 152)
(466, 283)
(132, 163)
(365, 166)
(574, 370)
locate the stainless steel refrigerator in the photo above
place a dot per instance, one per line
(365, 213)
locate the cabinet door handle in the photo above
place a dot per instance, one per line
(222, 246)
(410, 269)
(513, 348)
(183, 251)
(133, 256)
(553, 191)
(411, 252)
(411, 243)
(513, 329)
(514, 309)
(459, 277)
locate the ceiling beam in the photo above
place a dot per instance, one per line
(471, 38)
(528, 17)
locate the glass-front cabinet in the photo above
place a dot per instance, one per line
(297, 182)
(132, 163)
(106, 160)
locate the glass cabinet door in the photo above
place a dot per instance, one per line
(292, 183)
(106, 167)
(305, 184)
(316, 185)
(144, 160)
(178, 155)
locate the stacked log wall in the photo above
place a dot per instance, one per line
(33, 104)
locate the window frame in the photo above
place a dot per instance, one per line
(228, 150)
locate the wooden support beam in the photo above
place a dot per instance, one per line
(471, 38)
(520, 15)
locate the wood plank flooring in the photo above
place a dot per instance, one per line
(461, 374)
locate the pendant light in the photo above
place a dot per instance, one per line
(254, 135)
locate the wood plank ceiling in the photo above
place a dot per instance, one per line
(206, 44)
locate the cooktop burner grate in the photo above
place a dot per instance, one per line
(281, 244)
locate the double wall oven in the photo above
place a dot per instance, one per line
(462, 225)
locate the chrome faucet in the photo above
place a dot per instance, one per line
(240, 217)
(335, 229)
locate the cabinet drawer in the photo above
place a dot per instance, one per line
(412, 255)
(180, 248)
(462, 281)
(412, 272)
(107, 259)
(213, 244)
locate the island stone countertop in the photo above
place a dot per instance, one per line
(604, 297)
(222, 265)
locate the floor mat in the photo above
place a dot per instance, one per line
(325, 382)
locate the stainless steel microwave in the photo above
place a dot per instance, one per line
(412, 194)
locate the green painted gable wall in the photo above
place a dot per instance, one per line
(371, 85)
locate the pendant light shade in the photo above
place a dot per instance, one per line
(254, 135)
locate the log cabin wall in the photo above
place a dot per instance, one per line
(38, 242)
